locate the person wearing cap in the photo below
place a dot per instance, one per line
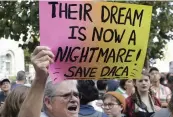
(161, 91)
(5, 87)
(114, 104)
(20, 79)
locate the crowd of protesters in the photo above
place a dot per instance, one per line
(148, 96)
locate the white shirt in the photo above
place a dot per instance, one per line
(43, 114)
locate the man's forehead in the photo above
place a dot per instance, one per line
(67, 86)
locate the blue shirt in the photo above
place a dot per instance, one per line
(87, 110)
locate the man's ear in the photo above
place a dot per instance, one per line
(47, 102)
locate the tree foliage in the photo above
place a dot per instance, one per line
(22, 18)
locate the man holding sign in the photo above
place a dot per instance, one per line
(58, 99)
(90, 41)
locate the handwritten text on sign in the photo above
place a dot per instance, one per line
(93, 40)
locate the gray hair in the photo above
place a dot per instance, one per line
(50, 90)
(21, 76)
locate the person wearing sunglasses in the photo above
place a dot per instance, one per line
(114, 104)
(142, 103)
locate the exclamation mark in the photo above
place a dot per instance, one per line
(138, 55)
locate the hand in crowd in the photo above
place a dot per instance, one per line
(41, 58)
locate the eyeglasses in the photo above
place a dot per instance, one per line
(109, 105)
(68, 96)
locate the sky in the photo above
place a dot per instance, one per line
(163, 65)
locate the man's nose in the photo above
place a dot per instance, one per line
(73, 99)
(143, 82)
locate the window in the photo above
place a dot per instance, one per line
(8, 63)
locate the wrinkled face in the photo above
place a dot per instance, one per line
(5, 86)
(66, 102)
(111, 106)
(143, 84)
(155, 76)
(129, 84)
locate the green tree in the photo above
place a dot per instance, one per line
(22, 18)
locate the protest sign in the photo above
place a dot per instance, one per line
(95, 40)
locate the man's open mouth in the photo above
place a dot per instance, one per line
(72, 108)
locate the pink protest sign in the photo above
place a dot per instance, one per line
(95, 40)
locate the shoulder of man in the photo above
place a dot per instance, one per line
(164, 112)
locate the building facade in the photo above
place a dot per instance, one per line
(11, 58)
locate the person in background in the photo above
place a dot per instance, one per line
(169, 78)
(163, 80)
(126, 87)
(89, 93)
(161, 92)
(101, 86)
(5, 90)
(166, 112)
(112, 85)
(20, 79)
(170, 85)
(114, 104)
(14, 101)
(142, 103)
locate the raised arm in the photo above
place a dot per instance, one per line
(41, 58)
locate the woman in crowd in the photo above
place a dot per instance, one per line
(113, 104)
(142, 103)
(14, 101)
(126, 87)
